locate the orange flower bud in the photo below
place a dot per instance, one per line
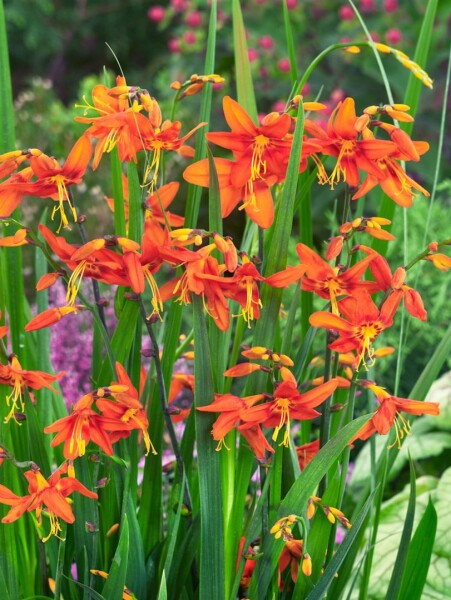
(242, 369)
(335, 247)
(50, 317)
(398, 278)
(18, 239)
(47, 281)
(307, 565)
(433, 246)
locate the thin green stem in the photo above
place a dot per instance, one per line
(164, 404)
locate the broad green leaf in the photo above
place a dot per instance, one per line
(328, 576)
(114, 585)
(419, 556)
(399, 569)
(163, 591)
(135, 210)
(194, 191)
(118, 194)
(244, 85)
(432, 369)
(295, 502)
(211, 564)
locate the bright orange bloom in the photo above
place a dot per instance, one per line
(157, 248)
(127, 413)
(287, 404)
(13, 190)
(388, 414)
(363, 322)
(342, 139)
(292, 554)
(156, 203)
(258, 202)
(159, 136)
(50, 494)
(202, 277)
(392, 178)
(53, 180)
(117, 125)
(79, 428)
(14, 376)
(306, 452)
(319, 277)
(232, 409)
(395, 283)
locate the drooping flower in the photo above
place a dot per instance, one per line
(50, 495)
(14, 376)
(388, 414)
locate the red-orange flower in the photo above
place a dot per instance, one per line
(50, 494)
(388, 414)
(232, 409)
(363, 322)
(287, 404)
(342, 139)
(14, 376)
(319, 277)
(53, 180)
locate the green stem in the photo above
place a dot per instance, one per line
(165, 406)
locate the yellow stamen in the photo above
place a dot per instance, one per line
(402, 428)
(283, 404)
(63, 196)
(258, 165)
(75, 282)
(347, 149)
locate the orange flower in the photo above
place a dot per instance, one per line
(388, 414)
(117, 125)
(50, 317)
(395, 283)
(287, 404)
(292, 554)
(157, 136)
(342, 139)
(53, 180)
(257, 202)
(363, 322)
(50, 494)
(319, 277)
(306, 452)
(127, 413)
(439, 260)
(14, 376)
(18, 239)
(79, 428)
(232, 409)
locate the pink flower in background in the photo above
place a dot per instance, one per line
(189, 37)
(194, 19)
(367, 6)
(266, 42)
(252, 54)
(393, 36)
(284, 65)
(156, 14)
(346, 13)
(174, 46)
(292, 4)
(390, 5)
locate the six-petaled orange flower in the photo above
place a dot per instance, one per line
(388, 414)
(49, 495)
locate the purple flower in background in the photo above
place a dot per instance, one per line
(72, 338)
